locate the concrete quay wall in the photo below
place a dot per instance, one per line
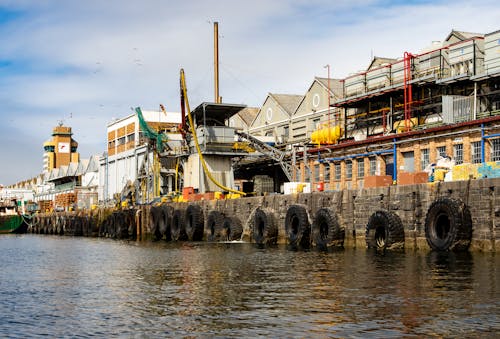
(409, 202)
(353, 210)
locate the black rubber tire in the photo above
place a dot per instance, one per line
(264, 230)
(103, 227)
(297, 226)
(78, 231)
(155, 214)
(232, 229)
(448, 225)
(85, 225)
(43, 225)
(194, 222)
(177, 229)
(168, 211)
(385, 231)
(53, 225)
(215, 220)
(67, 223)
(326, 231)
(112, 230)
(131, 228)
(156, 222)
(59, 226)
(121, 225)
(35, 222)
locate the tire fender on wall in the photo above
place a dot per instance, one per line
(297, 226)
(194, 222)
(448, 225)
(232, 229)
(215, 220)
(326, 230)
(385, 231)
(264, 230)
(177, 229)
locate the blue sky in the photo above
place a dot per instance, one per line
(87, 62)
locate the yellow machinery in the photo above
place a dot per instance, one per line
(326, 135)
(199, 152)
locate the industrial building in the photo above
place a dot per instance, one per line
(396, 119)
(131, 161)
(427, 116)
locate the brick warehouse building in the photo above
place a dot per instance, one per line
(399, 116)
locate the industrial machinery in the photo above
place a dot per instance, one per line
(208, 166)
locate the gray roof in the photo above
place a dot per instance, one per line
(248, 114)
(463, 35)
(379, 61)
(289, 102)
(215, 113)
(336, 87)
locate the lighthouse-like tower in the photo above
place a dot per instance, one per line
(61, 150)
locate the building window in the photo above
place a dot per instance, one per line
(337, 171)
(121, 141)
(131, 137)
(476, 152)
(495, 150)
(307, 174)
(315, 124)
(441, 151)
(361, 168)
(458, 153)
(326, 173)
(425, 158)
(316, 173)
(373, 165)
(348, 169)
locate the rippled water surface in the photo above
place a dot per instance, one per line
(82, 287)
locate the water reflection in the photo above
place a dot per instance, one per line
(61, 286)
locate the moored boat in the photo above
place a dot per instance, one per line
(11, 220)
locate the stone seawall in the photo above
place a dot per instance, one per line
(264, 218)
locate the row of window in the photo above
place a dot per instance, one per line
(121, 140)
(348, 169)
(458, 156)
(458, 153)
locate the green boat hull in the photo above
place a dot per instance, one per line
(12, 224)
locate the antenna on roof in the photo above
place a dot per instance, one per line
(61, 122)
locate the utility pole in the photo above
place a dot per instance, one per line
(217, 98)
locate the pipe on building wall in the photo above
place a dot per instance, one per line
(492, 136)
(482, 143)
(395, 161)
(417, 139)
(483, 138)
(475, 102)
(352, 156)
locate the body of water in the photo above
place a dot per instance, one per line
(81, 287)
